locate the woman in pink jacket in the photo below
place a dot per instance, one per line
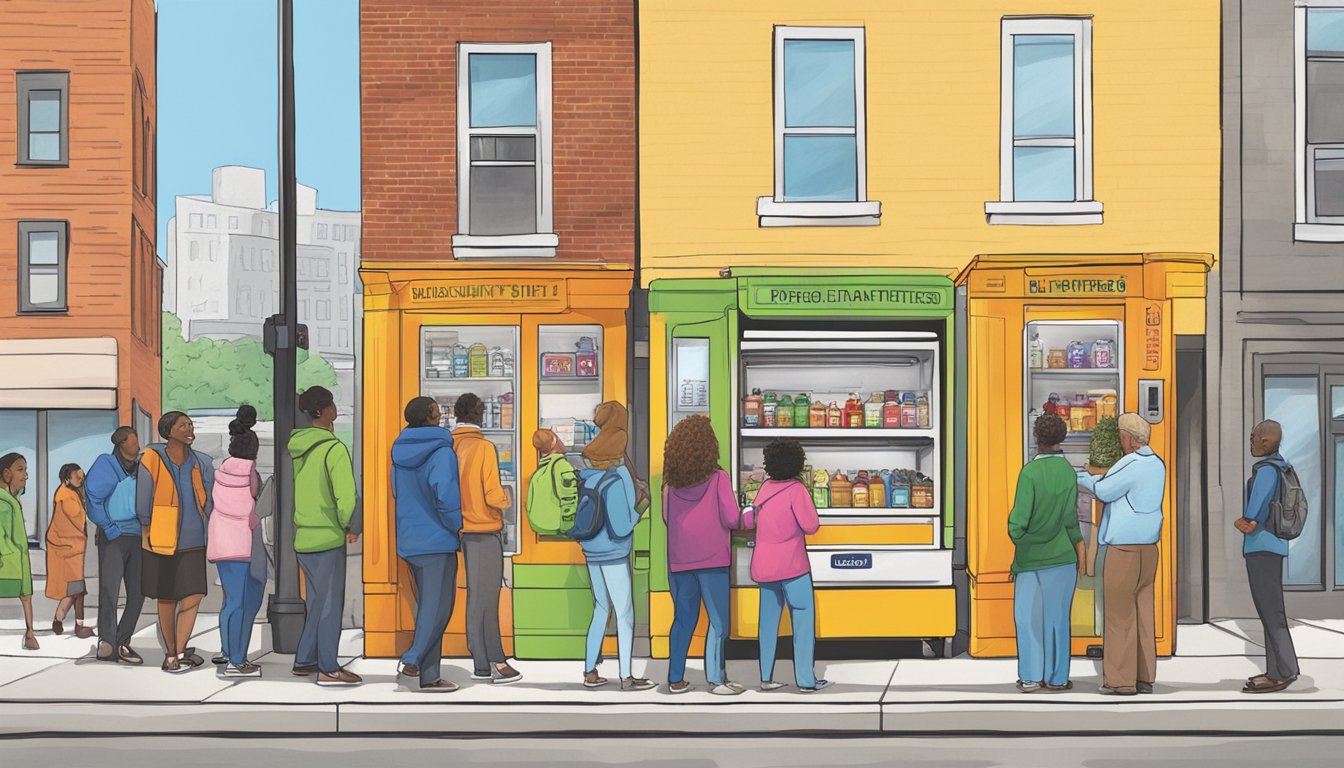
(230, 541)
(783, 515)
(700, 513)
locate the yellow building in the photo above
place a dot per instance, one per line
(816, 179)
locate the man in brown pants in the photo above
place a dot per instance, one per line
(1131, 525)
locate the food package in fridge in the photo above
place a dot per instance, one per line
(555, 365)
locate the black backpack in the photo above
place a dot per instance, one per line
(1288, 510)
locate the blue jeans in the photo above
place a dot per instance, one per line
(1042, 603)
(323, 603)
(611, 590)
(242, 601)
(435, 578)
(797, 593)
(688, 589)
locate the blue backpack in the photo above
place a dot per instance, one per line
(590, 517)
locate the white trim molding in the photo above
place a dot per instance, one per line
(820, 214)
(1082, 210)
(1318, 233)
(538, 246)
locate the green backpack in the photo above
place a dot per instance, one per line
(553, 497)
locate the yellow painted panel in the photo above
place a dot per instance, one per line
(873, 535)
(1188, 316)
(860, 613)
(1186, 285)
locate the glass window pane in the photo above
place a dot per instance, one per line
(44, 111)
(1337, 402)
(19, 430)
(1043, 173)
(504, 148)
(503, 89)
(43, 248)
(1293, 401)
(44, 146)
(820, 168)
(690, 378)
(75, 437)
(1043, 86)
(1325, 31)
(819, 83)
(1329, 187)
(1339, 512)
(1325, 102)
(504, 200)
(43, 289)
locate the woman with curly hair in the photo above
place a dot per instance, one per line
(700, 513)
(783, 516)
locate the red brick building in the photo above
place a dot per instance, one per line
(79, 321)
(498, 160)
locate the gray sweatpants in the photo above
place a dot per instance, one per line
(1264, 570)
(324, 600)
(483, 555)
(118, 563)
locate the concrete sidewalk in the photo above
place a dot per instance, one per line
(60, 689)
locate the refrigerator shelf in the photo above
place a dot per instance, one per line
(877, 513)
(830, 433)
(467, 380)
(1070, 372)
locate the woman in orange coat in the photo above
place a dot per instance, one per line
(67, 538)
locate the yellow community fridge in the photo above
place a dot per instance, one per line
(1084, 337)
(856, 365)
(542, 347)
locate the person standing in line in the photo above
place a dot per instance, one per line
(173, 506)
(1132, 491)
(1264, 553)
(1049, 557)
(237, 485)
(783, 515)
(67, 539)
(324, 523)
(608, 552)
(428, 512)
(484, 500)
(701, 513)
(16, 570)
(110, 489)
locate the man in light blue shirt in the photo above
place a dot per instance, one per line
(1264, 553)
(1131, 525)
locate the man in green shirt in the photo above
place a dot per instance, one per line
(1048, 560)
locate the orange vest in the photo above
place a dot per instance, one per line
(165, 520)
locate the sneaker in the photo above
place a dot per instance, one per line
(726, 689)
(106, 652)
(818, 686)
(771, 685)
(246, 669)
(219, 659)
(128, 655)
(1145, 687)
(505, 674)
(1028, 686)
(593, 680)
(637, 684)
(438, 686)
(304, 670)
(340, 678)
(481, 675)
(680, 687)
(408, 670)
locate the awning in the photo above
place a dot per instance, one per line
(58, 373)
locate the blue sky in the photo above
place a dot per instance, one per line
(217, 80)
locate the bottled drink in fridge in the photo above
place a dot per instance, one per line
(770, 410)
(816, 415)
(872, 412)
(1036, 358)
(1076, 354)
(821, 489)
(506, 411)
(922, 412)
(784, 416)
(835, 416)
(497, 362)
(842, 491)
(909, 411)
(859, 491)
(854, 411)
(585, 360)
(461, 362)
(801, 408)
(752, 406)
(921, 492)
(891, 410)
(900, 490)
(479, 359)
(877, 492)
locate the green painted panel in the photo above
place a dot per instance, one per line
(711, 295)
(550, 577)
(562, 609)
(550, 648)
(870, 295)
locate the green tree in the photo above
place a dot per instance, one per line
(210, 373)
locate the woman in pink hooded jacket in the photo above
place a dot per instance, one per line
(230, 543)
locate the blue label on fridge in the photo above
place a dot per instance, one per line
(852, 561)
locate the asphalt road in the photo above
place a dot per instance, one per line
(686, 752)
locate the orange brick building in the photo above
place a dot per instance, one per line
(498, 153)
(80, 281)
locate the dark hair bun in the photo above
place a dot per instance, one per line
(244, 421)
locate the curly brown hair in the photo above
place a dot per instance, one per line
(691, 454)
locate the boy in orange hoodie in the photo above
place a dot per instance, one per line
(483, 503)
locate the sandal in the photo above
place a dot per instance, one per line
(29, 642)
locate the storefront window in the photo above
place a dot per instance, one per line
(75, 437)
(1294, 402)
(18, 434)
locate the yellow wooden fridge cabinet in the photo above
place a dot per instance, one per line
(1150, 299)
(400, 300)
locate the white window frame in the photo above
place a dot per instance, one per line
(773, 210)
(1083, 209)
(543, 243)
(1307, 227)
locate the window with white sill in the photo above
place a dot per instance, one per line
(1320, 123)
(504, 151)
(1045, 167)
(819, 130)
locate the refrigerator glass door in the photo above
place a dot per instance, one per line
(569, 383)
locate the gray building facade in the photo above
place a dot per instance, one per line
(1276, 302)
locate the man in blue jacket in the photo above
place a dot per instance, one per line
(111, 490)
(429, 520)
(1264, 553)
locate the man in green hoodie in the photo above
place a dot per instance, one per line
(324, 522)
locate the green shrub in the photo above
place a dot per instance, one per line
(1105, 448)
